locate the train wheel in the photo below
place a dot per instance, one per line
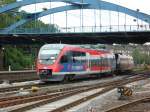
(98, 76)
(66, 78)
(71, 76)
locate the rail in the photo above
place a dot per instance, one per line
(130, 104)
(48, 98)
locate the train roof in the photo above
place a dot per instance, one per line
(53, 46)
(61, 46)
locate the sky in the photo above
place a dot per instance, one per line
(73, 18)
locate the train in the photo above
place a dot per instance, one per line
(63, 62)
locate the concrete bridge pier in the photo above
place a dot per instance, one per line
(1, 58)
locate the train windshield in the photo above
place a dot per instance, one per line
(48, 56)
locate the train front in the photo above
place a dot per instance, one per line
(47, 62)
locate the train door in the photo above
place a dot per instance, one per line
(102, 63)
(65, 62)
(78, 61)
(88, 61)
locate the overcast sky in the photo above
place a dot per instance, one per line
(74, 16)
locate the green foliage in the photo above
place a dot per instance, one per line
(39, 25)
(4, 2)
(140, 58)
(17, 59)
(146, 67)
(12, 17)
(8, 18)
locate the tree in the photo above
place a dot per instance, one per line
(140, 58)
(13, 16)
(16, 56)
(17, 59)
(4, 2)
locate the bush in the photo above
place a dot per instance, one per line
(17, 59)
(140, 58)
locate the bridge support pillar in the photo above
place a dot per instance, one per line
(1, 58)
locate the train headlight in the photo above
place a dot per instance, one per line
(52, 58)
(53, 61)
(40, 61)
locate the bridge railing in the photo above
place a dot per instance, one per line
(112, 28)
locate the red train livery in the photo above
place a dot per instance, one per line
(57, 62)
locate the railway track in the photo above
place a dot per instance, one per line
(13, 90)
(56, 95)
(125, 107)
(16, 88)
(18, 76)
(28, 86)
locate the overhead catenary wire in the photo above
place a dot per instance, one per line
(100, 18)
(66, 12)
(95, 19)
(118, 17)
(50, 6)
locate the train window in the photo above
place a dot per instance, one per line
(77, 57)
(103, 61)
(48, 56)
(96, 62)
(64, 59)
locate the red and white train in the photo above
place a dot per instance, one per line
(57, 62)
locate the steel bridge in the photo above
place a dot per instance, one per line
(127, 31)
